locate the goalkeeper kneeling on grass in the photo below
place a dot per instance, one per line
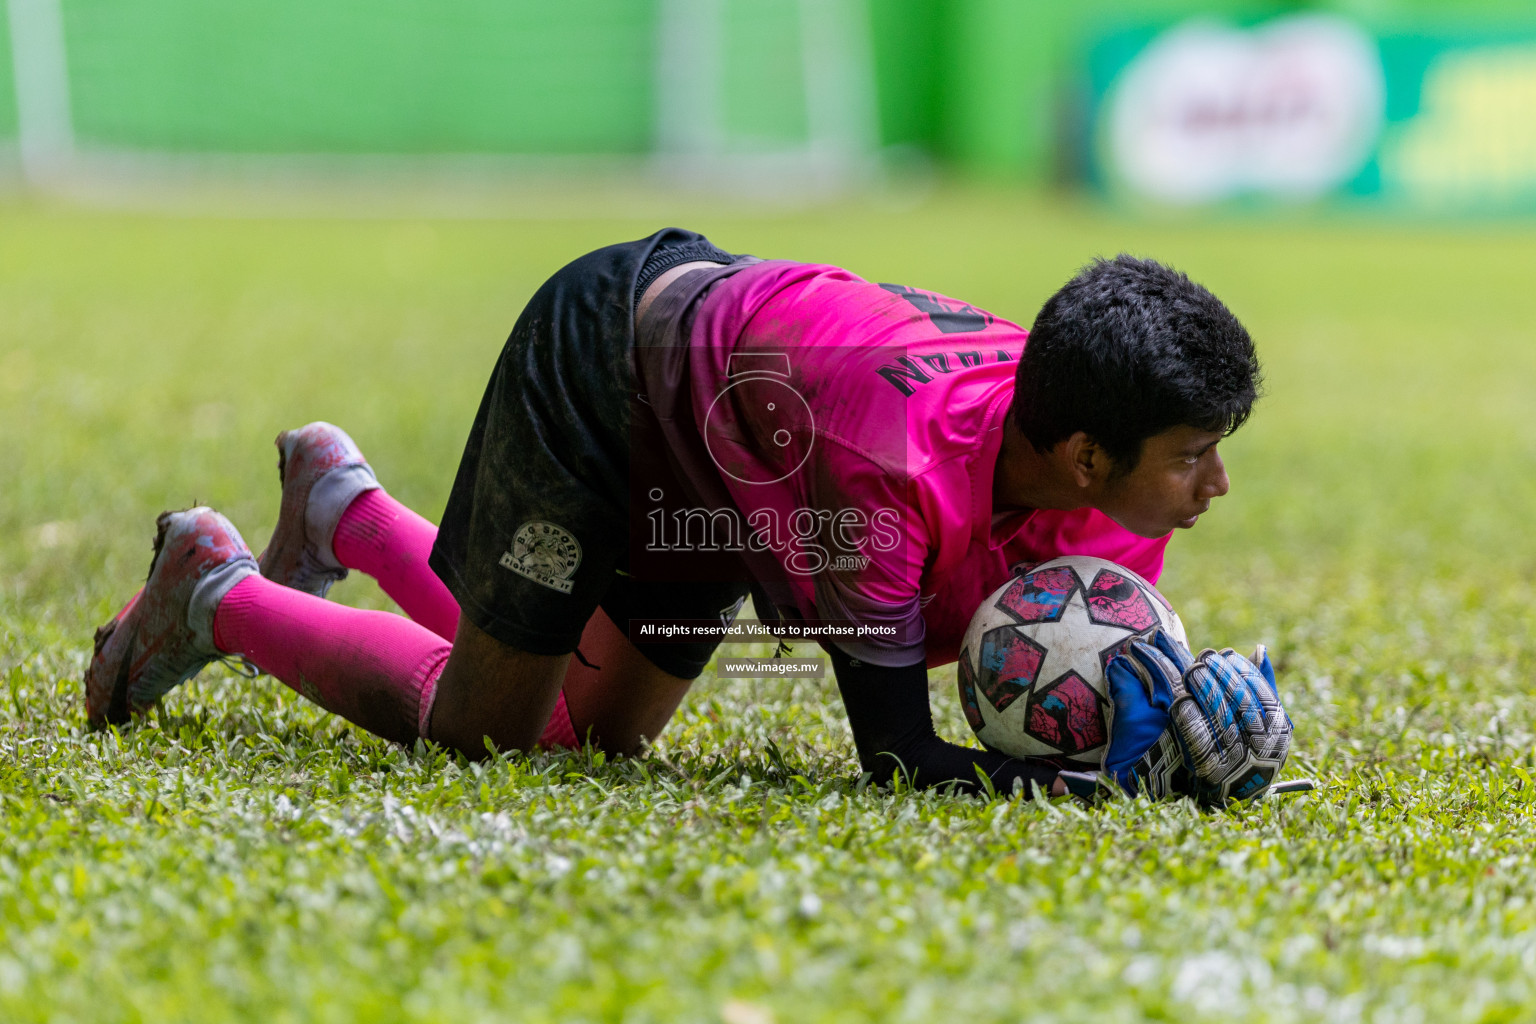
(671, 427)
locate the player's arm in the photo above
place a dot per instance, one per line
(893, 732)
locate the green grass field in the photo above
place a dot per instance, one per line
(245, 856)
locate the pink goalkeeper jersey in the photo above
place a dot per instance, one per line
(856, 426)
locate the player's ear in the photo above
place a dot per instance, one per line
(1088, 463)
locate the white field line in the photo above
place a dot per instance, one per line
(463, 186)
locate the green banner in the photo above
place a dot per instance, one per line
(731, 77)
(1314, 106)
(347, 76)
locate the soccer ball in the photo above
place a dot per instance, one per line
(1032, 664)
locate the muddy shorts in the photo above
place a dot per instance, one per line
(537, 530)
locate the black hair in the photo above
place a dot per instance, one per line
(1127, 349)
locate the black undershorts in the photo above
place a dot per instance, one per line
(537, 529)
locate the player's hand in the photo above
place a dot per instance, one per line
(1142, 756)
(1210, 727)
(1145, 682)
(1231, 726)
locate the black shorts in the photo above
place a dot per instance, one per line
(536, 532)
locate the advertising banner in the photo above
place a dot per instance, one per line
(1313, 106)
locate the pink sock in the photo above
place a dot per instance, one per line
(372, 668)
(558, 731)
(381, 537)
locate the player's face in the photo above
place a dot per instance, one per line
(1178, 477)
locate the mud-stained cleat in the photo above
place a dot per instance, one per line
(321, 470)
(164, 634)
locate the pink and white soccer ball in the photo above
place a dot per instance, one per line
(1032, 663)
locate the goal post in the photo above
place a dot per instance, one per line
(45, 135)
(771, 89)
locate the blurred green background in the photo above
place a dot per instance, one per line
(1003, 88)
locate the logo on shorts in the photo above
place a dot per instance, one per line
(545, 553)
(727, 614)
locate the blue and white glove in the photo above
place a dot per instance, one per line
(1210, 727)
(1232, 728)
(1145, 682)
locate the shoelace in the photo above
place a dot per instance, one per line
(239, 664)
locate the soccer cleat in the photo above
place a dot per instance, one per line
(164, 635)
(322, 471)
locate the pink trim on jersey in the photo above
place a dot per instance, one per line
(856, 427)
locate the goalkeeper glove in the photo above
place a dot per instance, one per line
(1210, 727)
